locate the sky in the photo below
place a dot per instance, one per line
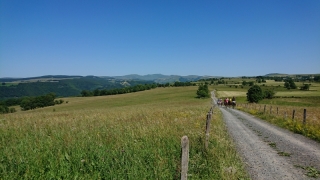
(172, 37)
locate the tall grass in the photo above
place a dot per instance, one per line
(132, 136)
(281, 115)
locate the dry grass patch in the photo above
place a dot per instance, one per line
(231, 93)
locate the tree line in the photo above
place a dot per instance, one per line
(131, 89)
(28, 103)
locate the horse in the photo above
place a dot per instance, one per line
(226, 103)
(229, 103)
(233, 103)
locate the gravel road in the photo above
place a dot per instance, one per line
(270, 152)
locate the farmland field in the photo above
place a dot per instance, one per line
(129, 136)
(280, 91)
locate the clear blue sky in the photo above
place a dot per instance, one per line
(171, 37)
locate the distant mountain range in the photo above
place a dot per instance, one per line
(63, 85)
(289, 75)
(157, 78)
(160, 78)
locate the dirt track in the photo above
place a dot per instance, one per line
(270, 152)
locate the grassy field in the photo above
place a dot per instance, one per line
(280, 91)
(129, 136)
(286, 101)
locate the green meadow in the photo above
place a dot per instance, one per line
(129, 136)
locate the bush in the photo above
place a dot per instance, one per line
(305, 87)
(4, 109)
(289, 84)
(269, 94)
(12, 110)
(203, 91)
(255, 94)
(60, 101)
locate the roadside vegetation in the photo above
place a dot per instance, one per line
(127, 136)
(280, 106)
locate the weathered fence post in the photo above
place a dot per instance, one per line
(304, 116)
(264, 110)
(184, 157)
(293, 112)
(285, 115)
(277, 110)
(207, 129)
(270, 109)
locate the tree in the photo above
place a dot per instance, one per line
(305, 87)
(85, 93)
(289, 84)
(26, 104)
(34, 102)
(316, 78)
(255, 94)
(203, 91)
(96, 92)
(244, 83)
(4, 109)
(269, 93)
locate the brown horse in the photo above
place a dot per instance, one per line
(228, 103)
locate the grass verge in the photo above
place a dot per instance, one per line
(282, 117)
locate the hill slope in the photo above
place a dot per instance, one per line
(64, 87)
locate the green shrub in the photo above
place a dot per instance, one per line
(269, 93)
(255, 94)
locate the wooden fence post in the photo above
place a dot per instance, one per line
(270, 109)
(304, 116)
(264, 110)
(207, 130)
(184, 157)
(277, 110)
(285, 115)
(293, 112)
